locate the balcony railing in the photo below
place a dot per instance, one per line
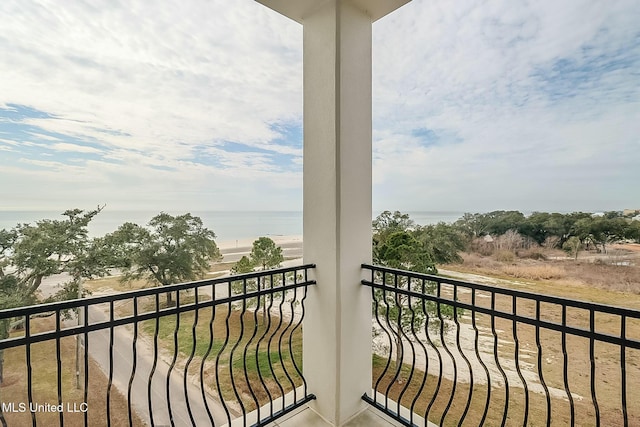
(453, 352)
(227, 350)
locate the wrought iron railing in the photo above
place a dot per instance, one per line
(458, 353)
(226, 349)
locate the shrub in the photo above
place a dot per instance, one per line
(533, 253)
(505, 256)
(534, 272)
(482, 246)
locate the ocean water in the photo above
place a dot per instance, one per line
(228, 225)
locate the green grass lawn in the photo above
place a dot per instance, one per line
(246, 351)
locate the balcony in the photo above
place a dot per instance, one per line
(230, 352)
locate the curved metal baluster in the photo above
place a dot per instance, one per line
(540, 375)
(298, 324)
(262, 337)
(565, 364)
(206, 356)
(185, 377)
(623, 368)
(155, 357)
(377, 311)
(477, 351)
(134, 361)
(453, 359)
(395, 338)
(293, 325)
(440, 367)
(516, 351)
(59, 366)
(275, 378)
(243, 409)
(246, 349)
(424, 351)
(282, 335)
(86, 364)
(27, 334)
(401, 334)
(464, 357)
(592, 362)
(497, 359)
(110, 382)
(398, 336)
(220, 353)
(175, 358)
(413, 351)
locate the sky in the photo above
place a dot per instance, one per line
(197, 105)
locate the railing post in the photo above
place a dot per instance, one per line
(337, 196)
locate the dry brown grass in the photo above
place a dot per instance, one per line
(528, 269)
(597, 272)
(534, 272)
(607, 284)
(44, 389)
(584, 415)
(584, 280)
(619, 278)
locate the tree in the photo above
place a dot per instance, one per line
(401, 246)
(498, 222)
(11, 296)
(403, 251)
(34, 252)
(582, 229)
(572, 246)
(172, 249)
(266, 253)
(244, 265)
(633, 231)
(443, 242)
(388, 222)
(30, 253)
(605, 230)
(470, 224)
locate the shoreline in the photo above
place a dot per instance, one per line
(280, 240)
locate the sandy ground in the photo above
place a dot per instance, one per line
(633, 247)
(227, 245)
(233, 250)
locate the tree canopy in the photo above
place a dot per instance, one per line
(171, 249)
(30, 253)
(266, 253)
(556, 228)
(244, 265)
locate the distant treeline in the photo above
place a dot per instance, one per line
(553, 229)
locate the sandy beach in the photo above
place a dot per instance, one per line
(233, 250)
(226, 245)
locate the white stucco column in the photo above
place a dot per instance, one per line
(337, 196)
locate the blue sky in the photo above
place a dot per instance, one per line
(198, 106)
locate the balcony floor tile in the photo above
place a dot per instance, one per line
(308, 418)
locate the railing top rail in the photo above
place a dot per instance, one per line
(85, 302)
(604, 308)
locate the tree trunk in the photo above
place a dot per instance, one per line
(170, 302)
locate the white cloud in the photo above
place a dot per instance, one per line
(155, 94)
(519, 132)
(63, 146)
